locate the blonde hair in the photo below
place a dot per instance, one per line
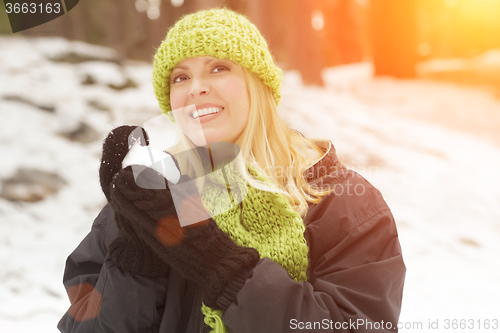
(272, 147)
(278, 151)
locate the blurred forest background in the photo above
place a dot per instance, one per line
(432, 148)
(306, 35)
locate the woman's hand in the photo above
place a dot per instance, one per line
(152, 237)
(200, 252)
(114, 149)
(127, 251)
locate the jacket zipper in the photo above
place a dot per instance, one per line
(198, 303)
(202, 325)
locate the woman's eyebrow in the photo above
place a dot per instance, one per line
(180, 67)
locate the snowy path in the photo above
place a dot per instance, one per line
(436, 165)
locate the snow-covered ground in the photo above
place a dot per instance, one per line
(431, 148)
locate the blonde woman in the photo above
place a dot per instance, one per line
(302, 244)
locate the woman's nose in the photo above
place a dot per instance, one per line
(199, 87)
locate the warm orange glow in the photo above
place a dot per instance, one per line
(169, 231)
(458, 28)
(317, 20)
(478, 9)
(479, 24)
(451, 3)
(85, 301)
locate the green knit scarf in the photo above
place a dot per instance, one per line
(263, 220)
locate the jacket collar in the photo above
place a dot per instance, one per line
(327, 164)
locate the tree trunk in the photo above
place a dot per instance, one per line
(303, 47)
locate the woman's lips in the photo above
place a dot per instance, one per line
(206, 112)
(208, 117)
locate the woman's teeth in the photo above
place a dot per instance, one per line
(202, 112)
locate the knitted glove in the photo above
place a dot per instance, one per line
(128, 251)
(115, 148)
(200, 252)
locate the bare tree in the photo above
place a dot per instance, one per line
(303, 48)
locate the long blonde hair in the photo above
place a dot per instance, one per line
(274, 149)
(278, 151)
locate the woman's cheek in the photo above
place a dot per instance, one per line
(175, 100)
(235, 89)
(240, 97)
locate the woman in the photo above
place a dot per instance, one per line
(305, 244)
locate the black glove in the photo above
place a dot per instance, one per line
(200, 252)
(115, 148)
(128, 251)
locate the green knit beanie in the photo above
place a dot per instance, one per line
(219, 33)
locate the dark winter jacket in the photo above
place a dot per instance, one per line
(355, 277)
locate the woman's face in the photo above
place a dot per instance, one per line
(218, 89)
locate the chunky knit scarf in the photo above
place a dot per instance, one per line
(263, 220)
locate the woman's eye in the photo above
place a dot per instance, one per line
(179, 78)
(220, 69)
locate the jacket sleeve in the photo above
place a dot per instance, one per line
(356, 271)
(100, 293)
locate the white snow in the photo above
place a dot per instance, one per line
(431, 148)
(154, 158)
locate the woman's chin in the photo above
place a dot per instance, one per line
(207, 138)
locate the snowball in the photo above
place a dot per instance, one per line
(153, 158)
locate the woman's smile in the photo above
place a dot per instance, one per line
(204, 111)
